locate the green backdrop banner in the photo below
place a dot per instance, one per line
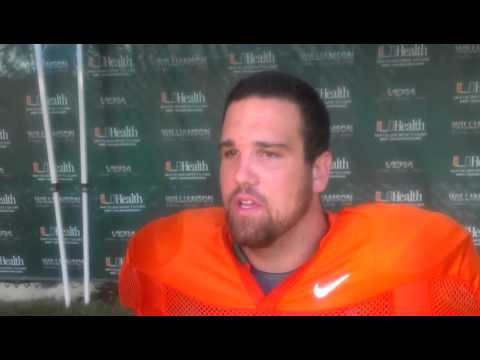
(405, 122)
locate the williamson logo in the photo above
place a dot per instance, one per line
(341, 130)
(38, 136)
(54, 263)
(121, 203)
(174, 61)
(465, 127)
(327, 57)
(186, 201)
(467, 51)
(464, 198)
(334, 200)
(182, 134)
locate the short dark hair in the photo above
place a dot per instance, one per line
(276, 84)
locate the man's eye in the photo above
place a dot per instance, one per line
(229, 153)
(268, 154)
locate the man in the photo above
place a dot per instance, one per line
(272, 250)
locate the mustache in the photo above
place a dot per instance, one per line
(249, 191)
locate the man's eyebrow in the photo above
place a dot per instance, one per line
(261, 144)
(225, 143)
(265, 144)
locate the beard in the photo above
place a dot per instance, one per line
(262, 230)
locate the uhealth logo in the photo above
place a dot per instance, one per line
(400, 130)
(251, 61)
(8, 203)
(413, 197)
(4, 139)
(121, 203)
(57, 104)
(182, 101)
(71, 233)
(12, 264)
(336, 97)
(468, 165)
(110, 66)
(116, 136)
(187, 170)
(340, 168)
(467, 92)
(65, 169)
(402, 55)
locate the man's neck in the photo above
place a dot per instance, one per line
(294, 248)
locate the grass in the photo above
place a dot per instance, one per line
(104, 302)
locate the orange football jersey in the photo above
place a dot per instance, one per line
(375, 259)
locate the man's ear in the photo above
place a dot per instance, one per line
(321, 171)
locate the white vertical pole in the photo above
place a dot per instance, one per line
(53, 171)
(83, 174)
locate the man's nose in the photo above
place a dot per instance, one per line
(245, 173)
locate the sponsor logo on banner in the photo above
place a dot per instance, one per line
(182, 101)
(49, 66)
(341, 130)
(54, 263)
(186, 170)
(12, 264)
(201, 200)
(113, 264)
(57, 104)
(112, 102)
(251, 61)
(413, 129)
(468, 165)
(335, 98)
(412, 197)
(327, 57)
(100, 66)
(402, 55)
(340, 168)
(174, 61)
(334, 199)
(121, 202)
(8, 203)
(399, 166)
(467, 92)
(71, 235)
(46, 201)
(120, 234)
(66, 171)
(467, 51)
(182, 134)
(116, 136)
(4, 139)
(401, 93)
(475, 232)
(117, 170)
(465, 127)
(38, 136)
(464, 198)
(6, 235)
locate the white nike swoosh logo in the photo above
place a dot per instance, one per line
(322, 291)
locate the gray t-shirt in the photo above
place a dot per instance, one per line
(269, 281)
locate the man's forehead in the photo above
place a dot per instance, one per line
(263, 119)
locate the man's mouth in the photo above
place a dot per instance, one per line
(246, 203)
